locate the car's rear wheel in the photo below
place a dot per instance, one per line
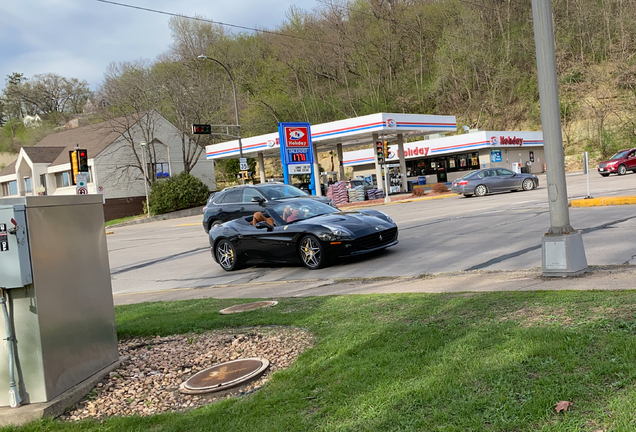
(226, 256)
(622, 170)
(527, 184)
(481, 190)
(605, 175)
(311, 253)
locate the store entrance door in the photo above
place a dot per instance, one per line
(441, 172)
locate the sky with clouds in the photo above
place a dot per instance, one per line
(79, 38)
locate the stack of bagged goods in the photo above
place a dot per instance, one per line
(356, 194)
(338, 193)
(375, 194)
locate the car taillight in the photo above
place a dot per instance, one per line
(462, 183)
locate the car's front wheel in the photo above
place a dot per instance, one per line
(622, 170)
(214, 223)
(481, 190)
(226, 256)
(311, 253)
(527, 184)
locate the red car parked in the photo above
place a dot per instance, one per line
(619, 163)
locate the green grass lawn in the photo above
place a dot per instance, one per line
(124, 219)
(461, 362)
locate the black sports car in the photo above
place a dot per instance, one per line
(300, 229)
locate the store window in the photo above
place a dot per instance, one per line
(429, 166)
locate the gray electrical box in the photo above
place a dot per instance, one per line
(54, 259)
(15, 263)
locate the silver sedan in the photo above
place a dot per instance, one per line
(489, 180)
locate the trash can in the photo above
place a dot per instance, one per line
(421, 180)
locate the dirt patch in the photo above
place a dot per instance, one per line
(536, 316)
(148, 381)
(393, 199)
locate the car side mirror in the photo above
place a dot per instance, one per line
(258, 200)
(263, 224)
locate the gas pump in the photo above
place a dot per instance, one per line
(395, 178)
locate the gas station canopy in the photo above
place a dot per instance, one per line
(355, 131)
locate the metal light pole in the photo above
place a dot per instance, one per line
(143, 159)
(562, 247)
(236, 110)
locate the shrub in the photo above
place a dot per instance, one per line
(176, 193)
(419, 191)
(439, 188)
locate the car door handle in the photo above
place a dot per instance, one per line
(242, 208)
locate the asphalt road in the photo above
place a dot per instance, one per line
(496, 232)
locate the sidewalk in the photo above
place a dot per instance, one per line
(597, 278)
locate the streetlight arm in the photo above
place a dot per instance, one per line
(236, 110)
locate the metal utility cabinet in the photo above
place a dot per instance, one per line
(56, 278)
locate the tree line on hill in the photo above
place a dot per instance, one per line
(471, 58)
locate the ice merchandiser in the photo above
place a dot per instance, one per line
(56, 296)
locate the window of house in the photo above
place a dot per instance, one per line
(162, 169)
(10, 188)
(63, 179)
(27, 185)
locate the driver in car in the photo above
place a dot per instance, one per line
(294, 215)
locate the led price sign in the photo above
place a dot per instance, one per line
(297, 155)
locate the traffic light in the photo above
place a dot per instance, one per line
(379, 151)
(386, 150)
(72, 154)
(201, 129)
(82, 160)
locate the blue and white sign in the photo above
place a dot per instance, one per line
(495, 155)
(296, 151)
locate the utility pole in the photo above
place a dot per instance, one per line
(563, 253)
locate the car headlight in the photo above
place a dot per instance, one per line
(339, 232)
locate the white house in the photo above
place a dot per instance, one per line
(114, 153)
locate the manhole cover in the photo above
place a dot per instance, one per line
(247, 307)
(224, 375)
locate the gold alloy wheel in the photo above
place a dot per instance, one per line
(225, 253)
(310, 252)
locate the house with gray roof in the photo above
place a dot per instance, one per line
(115, 158)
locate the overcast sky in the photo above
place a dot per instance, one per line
(79, 38)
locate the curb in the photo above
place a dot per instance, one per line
(603, 201)
(195, 211)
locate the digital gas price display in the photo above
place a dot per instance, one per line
(298, 155)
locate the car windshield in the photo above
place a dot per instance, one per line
(276, 191)
(301, 209)
(619, 155)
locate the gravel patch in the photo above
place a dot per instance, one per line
(148, 380)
